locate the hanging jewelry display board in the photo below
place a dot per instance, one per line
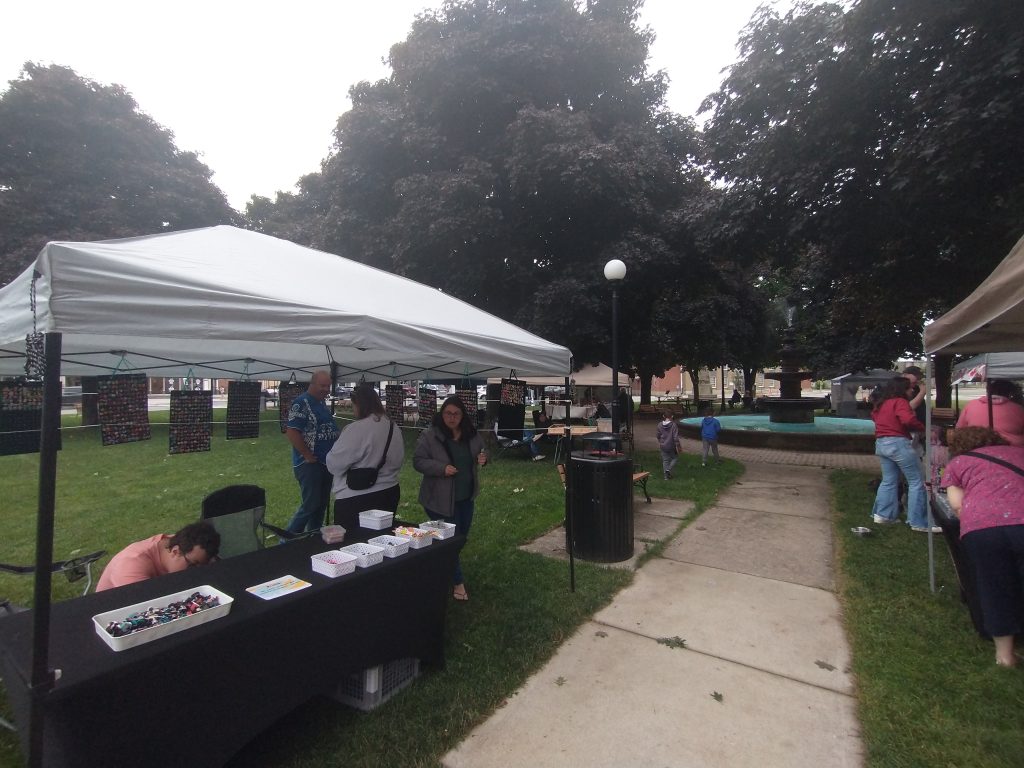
(243, 409)
(287, 391)
(512, 409)
(468, 397)
(191, 420)
(394, 402)
(427, 406)
(21, 417)
(123, 408)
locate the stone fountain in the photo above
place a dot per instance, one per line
(790, 407)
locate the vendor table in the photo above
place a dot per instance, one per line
(948, 520)
(196, 697)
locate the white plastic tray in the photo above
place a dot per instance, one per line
(415, 542)
(376, 519)
(334, 563)
(394, 546)
(150, 634)
(365, 554)
(440, 528)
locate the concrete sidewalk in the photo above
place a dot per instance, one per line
(728, 650)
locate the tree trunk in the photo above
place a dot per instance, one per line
(942, 376)
(646, 378)
(695, 378)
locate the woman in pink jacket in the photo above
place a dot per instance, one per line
(1007, 415)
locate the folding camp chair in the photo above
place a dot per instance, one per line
(504, 442)
(74, 569)
(237, 512)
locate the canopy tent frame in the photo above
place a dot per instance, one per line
(990, 319)
(66, 296)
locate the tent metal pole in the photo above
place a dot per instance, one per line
(928, 468)
(569, 533)
(42, 675)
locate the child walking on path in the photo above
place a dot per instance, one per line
(709, 429)
(668, 442)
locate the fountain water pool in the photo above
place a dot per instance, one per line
(826, 434)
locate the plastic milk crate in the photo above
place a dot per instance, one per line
(370, 688)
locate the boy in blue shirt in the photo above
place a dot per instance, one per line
(709, 429)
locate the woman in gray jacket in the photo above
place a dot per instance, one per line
(449, 455)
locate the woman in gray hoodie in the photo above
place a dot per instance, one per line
(448, 455)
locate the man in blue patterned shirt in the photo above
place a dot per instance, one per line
(311, 431)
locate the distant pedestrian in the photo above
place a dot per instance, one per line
(668, 442)
(709, 429)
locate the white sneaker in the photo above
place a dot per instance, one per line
(539, 457)
(879, 520)
(926, 529)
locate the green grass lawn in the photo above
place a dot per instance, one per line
(929, 691)
(520, 610)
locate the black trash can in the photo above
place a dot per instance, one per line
(599, 508)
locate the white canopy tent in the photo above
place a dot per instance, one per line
(990, 319)
(599, 375)
(224, 302)
(990, 365)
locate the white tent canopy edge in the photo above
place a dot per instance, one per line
(225, 302)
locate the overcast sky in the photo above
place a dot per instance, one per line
(255, 87)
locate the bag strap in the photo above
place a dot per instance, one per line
(994, 460)
(391, 431)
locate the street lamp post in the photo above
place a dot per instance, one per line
(614, 272)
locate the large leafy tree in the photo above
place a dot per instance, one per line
(517, 146)
(880, 150)
(80, 161)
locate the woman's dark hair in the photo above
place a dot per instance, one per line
(367, 401)
(466, 426)
(968, 438)
(897, 386)
(1004, 388)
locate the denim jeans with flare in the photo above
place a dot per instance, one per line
(897, 455)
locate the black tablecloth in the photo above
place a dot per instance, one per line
(947, 519)
(196, 697)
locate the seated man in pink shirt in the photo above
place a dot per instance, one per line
(195, 544)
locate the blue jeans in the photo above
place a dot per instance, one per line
(315, 482)
(528, 439)
(897, 455)
(462, 517)
(668, 460)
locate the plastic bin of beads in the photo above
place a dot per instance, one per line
(393, 546)
(365, 554)
(149, 634)
(334, 563)
(332, 534)
(376, 519)
(370, 688)
(439, 528)
(418, 538)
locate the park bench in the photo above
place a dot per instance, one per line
(639, 479)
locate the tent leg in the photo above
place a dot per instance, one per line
(42, 676)
(928, 468)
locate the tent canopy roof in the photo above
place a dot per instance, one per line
(599, 375)
(223, 302)
(991, 319)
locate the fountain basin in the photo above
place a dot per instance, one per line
(795, 410)
(827, 434)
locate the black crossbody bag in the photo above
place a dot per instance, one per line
(994, 460)
(361, 478)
